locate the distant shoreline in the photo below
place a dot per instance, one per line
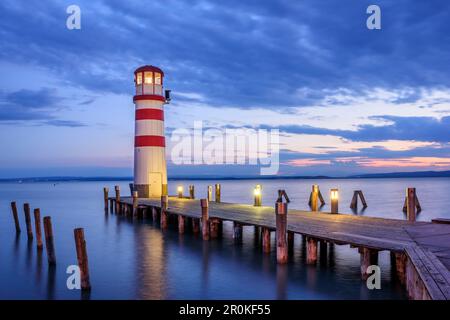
(393, 175)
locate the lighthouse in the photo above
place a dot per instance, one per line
(150, 172)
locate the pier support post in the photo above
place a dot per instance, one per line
(334, 196)
(164, 214)
(281, 233)
(411, 204)
(314, 198)
(135, 204)
(217, 192)
(82, 258)
(400, 261)
(323, 251)
(368, 257)
(354, 203)
(290, 241)
(209, 194)
(195, 226)
(111, 205)
(154, 214)
(214, 228)
(117, 189)
(266, 240)
(37, 225)
(191, 192)
(205, 219)
(311, 250)
(49, 241)
(26, 209)
(105, 198)
(237, 232)
(181, 222)
(15, 216)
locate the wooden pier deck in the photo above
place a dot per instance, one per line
(420, 251)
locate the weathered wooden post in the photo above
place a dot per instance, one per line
(26, 209)
(195, 226)
(49, 242)
(180, 192)
(154, 214)
(368, 257)
(354, 203)
(164, 214)
(117, 189)
(209, 194)
(411, 204)
(111, 205)
(191, 192)
(214, 228)
(82, 258)
(131, 186)
(258, 195)
(205, 219)
(400, 260)
(315, 198)
(311, 250)
(290, 241)
(237, 232)
(15, 216)
(37, 224)
(217, 192)
(266, 240)
(105, 198)
(181, 223)
(334, 196)
(135, 203)
(281, 233)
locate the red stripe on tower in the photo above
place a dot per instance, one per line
(149, 141)
(149, 114)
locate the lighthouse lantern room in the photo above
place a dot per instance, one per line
(150, 172)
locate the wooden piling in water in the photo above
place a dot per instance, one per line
(237, 232)
(105, 198)
(217, 187)
(266, 240)
(82, 258)
(117, 189)
(205, 219)
(411, 205)
(37, 225)
(214, 228)
(154, 214)
(164, 214)
(195, 226)
(209, 193)
(368, 257)
(191, 192)
(400, 260)
(311, 250)
(49, 241)
(354, 203)
(290, 241)
(15, 216)
(26, 209)
(135, 204)
(181, 223)
(314, 198)
(281, 232)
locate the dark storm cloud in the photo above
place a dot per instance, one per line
(240, 53)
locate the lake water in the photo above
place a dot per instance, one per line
(135, 260)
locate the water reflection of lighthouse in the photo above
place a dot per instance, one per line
(150, 173)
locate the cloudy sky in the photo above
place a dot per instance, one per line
(346, 99)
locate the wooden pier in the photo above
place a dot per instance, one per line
(420, 251)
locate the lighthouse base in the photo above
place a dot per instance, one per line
(148, 191)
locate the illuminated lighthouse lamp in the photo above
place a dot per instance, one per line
(150, 172)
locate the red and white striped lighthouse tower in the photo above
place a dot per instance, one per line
(150, 173)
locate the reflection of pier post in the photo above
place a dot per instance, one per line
(51, 276)
(151, 264)
(205, 265)
(282, 272)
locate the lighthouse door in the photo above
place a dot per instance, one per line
(155, 184)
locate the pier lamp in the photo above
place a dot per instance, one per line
(258, 195)
(180, 191)
(334, 200)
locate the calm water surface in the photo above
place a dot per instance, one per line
(135, 260)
